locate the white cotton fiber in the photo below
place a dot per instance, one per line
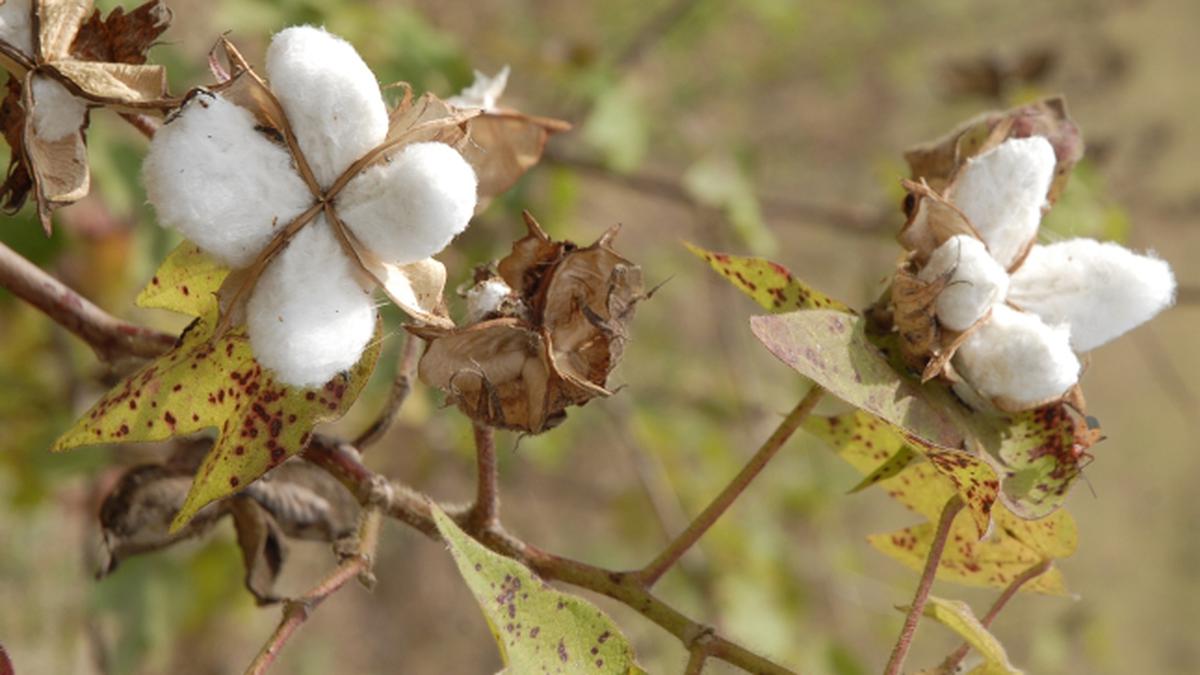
(57, 113)
(308, 317)
(1100, 290)
(1017, 359)
(484, 92)
(976, 281)
(15, 26)
(221, 183)
(330, 96)
(1002, 193)
(411, 206)
(486, 297)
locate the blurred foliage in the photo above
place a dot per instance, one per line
(737, 100)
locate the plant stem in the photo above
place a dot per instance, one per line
(485, 512)
(297, 611)
(401, 387)
(652, 572)
(952, 661)
(108, 336)
(695, 664)
(900, 652)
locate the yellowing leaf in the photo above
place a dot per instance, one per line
(208, 382)
(538, 629)
(769, 284)
(957, 616)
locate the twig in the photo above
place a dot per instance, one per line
(896, 662)
(108, 336)
(695, 664)
(485, 512)
(952, 661)
(675, 550)
(296, 612)
(401, 388)
(145, 124)
(412, 508)
(6, 666)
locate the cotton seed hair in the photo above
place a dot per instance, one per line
(227, 187)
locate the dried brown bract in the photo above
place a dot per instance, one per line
(548, 344)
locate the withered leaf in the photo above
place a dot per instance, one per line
(915, 318)
(931, 222)
(17, 181)
(262, 545)
(121, 37)
(502, 145)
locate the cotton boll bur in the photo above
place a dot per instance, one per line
(331, 98)
(486, 297)
(412, 206)
(308, 317)
(57, 113)
(975, 281)
(15, 27)
(1017, 360)
(1101, 290)
(1002, 192)
(221, 183)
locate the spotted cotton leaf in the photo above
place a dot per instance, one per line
(537, 628)
(958, 617)
(890, 459)
(1012, 547)
(769, 284)
(184, 282)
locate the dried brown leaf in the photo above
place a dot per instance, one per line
(932, 220)
(120, 86)
(915, 316)
(263, 548)
(121, 37)
(58, 22)
(502, 145)
(17, 181)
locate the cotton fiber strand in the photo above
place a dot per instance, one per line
(1002, 193)
(308, 317)
(486, 297)
(221, 183)
(57, 113)
(976, 281)
(484, 92)
(1101, 290)
(412, 206)
(330, 96)
(1018, 359)
(15, 27)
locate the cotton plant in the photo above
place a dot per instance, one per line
(1021, 313)
(63, 60)
(214, 174)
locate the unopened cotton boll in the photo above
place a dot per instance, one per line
(1100, 290)
(976, 281)
(221, 183)
(1017, 359)
(331, 98)
(308, 317)
(486, 297)
(57, 113)
(410, 207)
(15, 26)
(1002, 193)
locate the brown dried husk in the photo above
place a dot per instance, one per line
(522, 372)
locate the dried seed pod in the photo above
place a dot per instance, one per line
(559, 333)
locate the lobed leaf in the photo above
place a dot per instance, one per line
(769, 284)
(958, 617)
(537, 628)
(185, 281)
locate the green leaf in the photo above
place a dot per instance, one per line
(864, 441)
(957, 616)
(538, 629)
(1013, 546)
(209, 382)
(769, 284)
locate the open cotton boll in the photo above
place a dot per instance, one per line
(410, 207)
(1100, 290)
(308, 317)
(486, 297)
(1015, 358)
(1002, 192)
(222, 184)
(57, 113)
(15, 26)
(976, 281)
(331, 98)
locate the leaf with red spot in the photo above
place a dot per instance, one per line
(887, 456)
(1013, 546)
(537, 628)
(769, 284)
(214, 382)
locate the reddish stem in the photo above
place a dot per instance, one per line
(952, 661)
(485, 513)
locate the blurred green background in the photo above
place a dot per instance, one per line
(765, 126)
